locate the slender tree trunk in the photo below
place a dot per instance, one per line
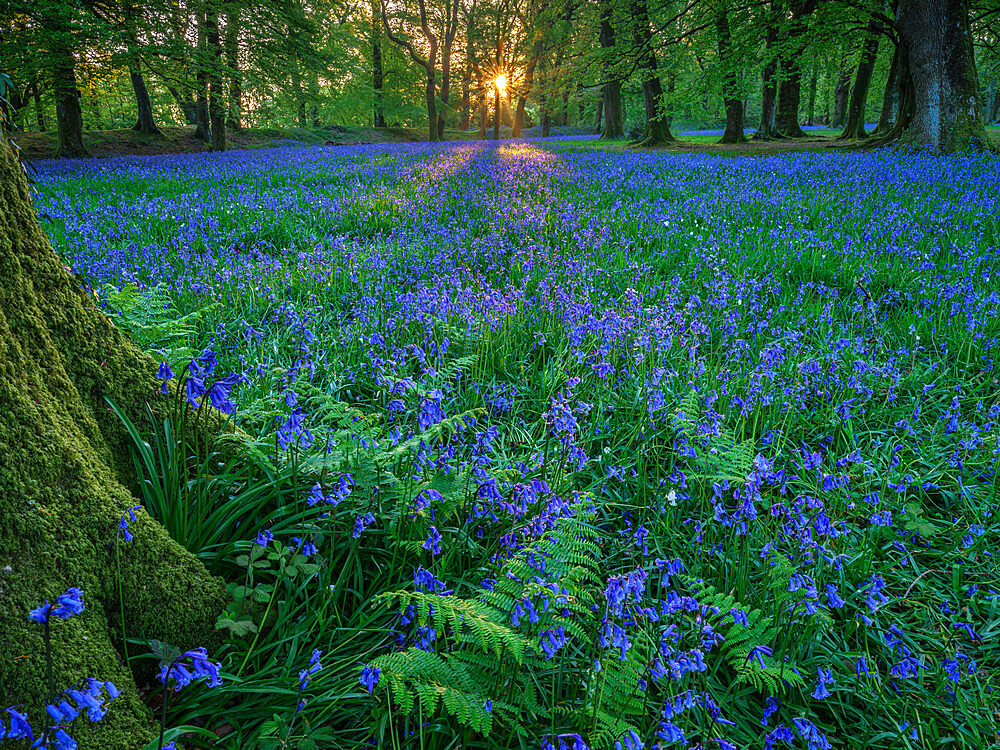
(769, 76)
(611, 92)
(64, 482)
(39, 112)
(854, 127)
(890, 98)
(790, 87)
(948, 113)
(431, 95)
(529, 79)
(378, 77)
(496, 89)
(730, 82)
(466, 94)
(657, 131)
(144, 108)
(841, 97)
(445, 86)
(69, 116)
(994, 115)
(202, 126)
(234, 119)
(144, 121)
(599, 113)
(813, 84)
(484, 115)
(300, 102)
(186, 105)
(216, 93)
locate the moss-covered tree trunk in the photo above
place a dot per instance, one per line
(63, 488)
(948, 112)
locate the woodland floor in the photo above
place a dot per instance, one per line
(178, 140)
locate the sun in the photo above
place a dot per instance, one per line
(501, 83)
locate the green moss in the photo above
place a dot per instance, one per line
(64, 474)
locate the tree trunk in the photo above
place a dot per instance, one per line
(948, 115)
(890, 98)
(599, 112)
(186, 104)
(39, 112)
(300, 102)
(216, 93)
(445, 87)
(611, 92)
(657, 130)
(529, 79)
(234, 119)
(466, 96)
(813, 85)
(378, 78)
(854, 127)
(730, 82)
(994, 114)
(69, 116)
(769, 76)
(63, 489)
(790, 88)
(432, 119)
(144, 108)
(202, 127)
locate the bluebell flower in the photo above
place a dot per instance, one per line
(433, 541)
(164, 373)
(123, 524)
(19, 726)
(369, 677)
(314, 667)
(264, 537)
(757, 653)
(361, 523)
(201, 668)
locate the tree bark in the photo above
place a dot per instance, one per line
(813, 85)
(450, 29)
(186, 104)
(890, 98)
(378, 77)
(611, 92)
(730, 82)
(216, 92)
(69, 116)
(947, 115)
(202, 126)
(466, 95)
(234, 118)
(657, 131)
(599, 113)
(39, 112)
(766, 131)
(790, 87)
(144, 108)
(63, 488)
(529, 79)
(854, 127)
